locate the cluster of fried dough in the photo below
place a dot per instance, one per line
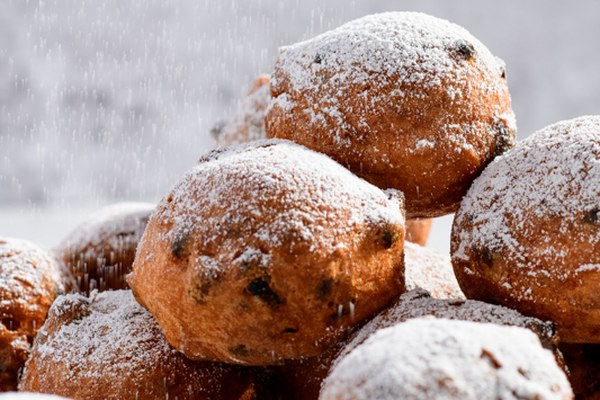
(274, 270)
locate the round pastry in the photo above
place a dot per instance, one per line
(248, 123)
(30, 280)
(403, 99)
(303, 378)
(583, 361)
(101, 250)
(445, 359)
(417, 230)
(266, 252)
(527, 234)
(429, 270)
(107, 346)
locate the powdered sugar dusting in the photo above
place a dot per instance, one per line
(427, 269)
(317, 200)
(388, 50)
(23, 268)
(554, 175)
(443, 359)
(248, 123)
(127, 218)
(419, 303)
(111, 338)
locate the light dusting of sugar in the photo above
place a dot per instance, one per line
(554, 175)
(382, 52)
(116, 226)
(427, 269)
(23, 268)
(248, 123)
(274, 193)
(444, 359)
(111, 338)
(419, 303)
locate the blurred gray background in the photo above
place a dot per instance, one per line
(103, 100)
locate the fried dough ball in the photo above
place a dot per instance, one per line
(248, 123)
(527, 234)
(403, 99)
(430, 270)
(583, 361)
(303, 378)
(107, 346)
(30, 280)
(417, 230)
(100, 251)
(444, 359)
(268, 251)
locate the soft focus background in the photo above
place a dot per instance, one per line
(108, 100)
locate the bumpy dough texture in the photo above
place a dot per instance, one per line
(248, 122)
(266, 252)
(527, 234)
(101, 250)
(303, 378)
(107, 346)
(404, 100)
(445, 359)
(417, 230)
(29, 396)
(30, 280)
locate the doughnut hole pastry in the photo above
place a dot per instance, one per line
(266, 252)
(248, 123)
(417, 230)
(304, 377)
(30, 280)
(527, 234)
(101, 250)
(583, 361)
(445, 359)
(403, 99)
(107, 346)
(430, 270)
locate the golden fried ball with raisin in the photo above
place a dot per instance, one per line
(527, 234)
(30, 280)
(403, 99)
(267, 252)
(106, 346)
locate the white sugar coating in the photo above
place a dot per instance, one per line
(444, 359)
(554, 175)
(317, 200)
(29, 396)
(430, 270)
(419, 303)
(107, 336)
(115, 225)
(23, 268)
(394, 48)
(248, 123)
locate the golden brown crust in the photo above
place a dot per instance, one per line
(426, 125)
(30, 279)
(528, 231)
(268, 252)
(417, 230)
(100, 251)
(108, 347)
